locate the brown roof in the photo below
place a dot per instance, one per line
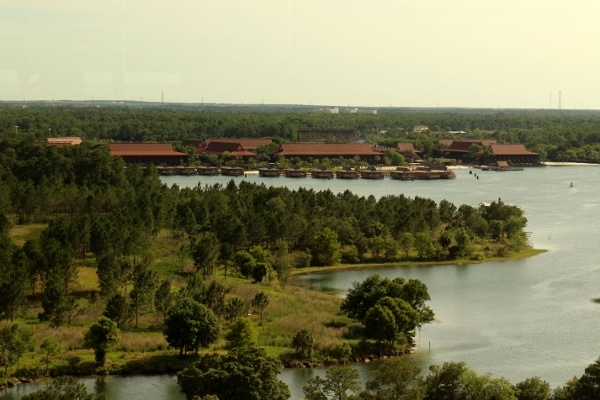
(509, 149)
(465, 145)
(143, 149)
(405, 147)
(218, 148)
(326, 149)
(247, 144)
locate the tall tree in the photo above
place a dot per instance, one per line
(326, 248)
(302, 340)
(100, 337)
(190, 326)
(50, 347)
(118, 309)
(163, 298)
(13, 282)
(260, 301)
(142, 293)
(14, 341)
(205, 251)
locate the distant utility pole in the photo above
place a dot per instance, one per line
(560, 100)
(162, 98)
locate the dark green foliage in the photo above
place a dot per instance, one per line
(302, 341)
(243, 373)
(54, 302)
(119, 309)
(389, 309)
(63, 388)
(533, 389)
(14, 274)
(234, 308)
(588, 385)
(100, 337)
(326, 248)
(259, 271)
(364, 295)
(245, 262)
(190, 326)
(444, 382)
(205, 251)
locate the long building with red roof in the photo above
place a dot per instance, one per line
(511, 153)
(148, 153)
(328, 150)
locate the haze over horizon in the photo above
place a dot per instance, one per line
(411, 53)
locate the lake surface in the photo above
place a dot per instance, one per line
(517, 319)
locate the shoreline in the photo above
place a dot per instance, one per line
(143, 366)
(568, 164)
(525, 253)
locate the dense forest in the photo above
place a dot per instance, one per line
(558, 135)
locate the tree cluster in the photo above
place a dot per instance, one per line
(398, 379)
(390, 310)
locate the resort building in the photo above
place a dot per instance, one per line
(148, 153)
(304, 151)
(510, 153)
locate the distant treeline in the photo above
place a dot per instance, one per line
(556, 135)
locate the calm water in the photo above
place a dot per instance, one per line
(515, 319)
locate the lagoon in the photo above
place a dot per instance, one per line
(517, 319)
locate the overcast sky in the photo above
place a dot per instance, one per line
(369, 53)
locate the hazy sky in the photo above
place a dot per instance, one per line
(377, 53)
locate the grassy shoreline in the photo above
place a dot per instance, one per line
(524, 253)
(145, 351)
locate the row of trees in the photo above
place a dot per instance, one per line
(561, 136)
(398, 379)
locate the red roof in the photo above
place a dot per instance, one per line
(465, 145)
(220, 147)
(247, 144)
(143, 149)
(509, 149)
(405, 147)
(326, 149)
